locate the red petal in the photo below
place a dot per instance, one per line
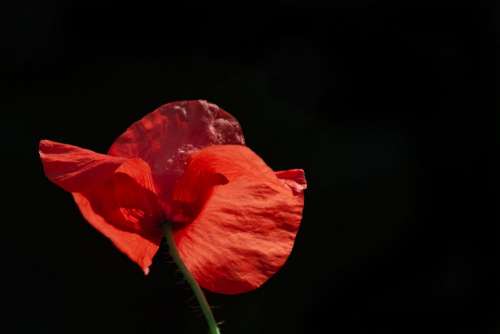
(73, 168)
(244, 218)
(293, 178)
(116, 195)
(166, 137)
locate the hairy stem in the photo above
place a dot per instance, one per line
(200, 297)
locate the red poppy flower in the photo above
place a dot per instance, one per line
(234, 219)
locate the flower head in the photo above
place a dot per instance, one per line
(235, 220)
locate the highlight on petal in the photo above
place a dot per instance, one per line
(244, 218)
(166, 137)
(115, 195)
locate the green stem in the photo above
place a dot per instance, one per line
(207, 312)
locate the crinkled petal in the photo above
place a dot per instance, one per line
(293, 178)
(74, 168)
(116, 195)
(166, 137)
(243, 218)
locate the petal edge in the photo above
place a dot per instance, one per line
(115, 195)
(246, 229)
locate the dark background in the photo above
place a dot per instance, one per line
(383, 105)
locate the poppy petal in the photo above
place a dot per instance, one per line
(293, 178)
(115, 195)
(244, 218)
(74, 168)
(166, 137)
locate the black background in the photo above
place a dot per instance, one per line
(383, 105)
